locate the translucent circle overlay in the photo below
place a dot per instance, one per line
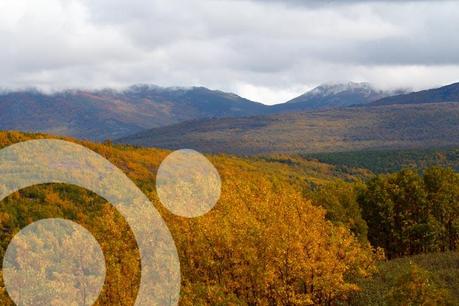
(188, 184)
(54, 262)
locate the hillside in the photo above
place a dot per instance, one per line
(347, 129)
(271, 217)
(105, 114)
(443, 269)
(382, 161)
(449, 93)
(261, 204)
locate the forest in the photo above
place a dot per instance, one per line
(286, 231)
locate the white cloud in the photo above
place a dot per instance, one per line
(266, 51)
(270, 95)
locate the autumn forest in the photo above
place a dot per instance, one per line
(286, 231)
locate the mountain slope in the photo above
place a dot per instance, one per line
(449, 93)
(111, 114)
(334, 96)
(256, 203)
(384, 161)
(354, 128)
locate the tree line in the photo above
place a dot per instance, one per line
(410, 213)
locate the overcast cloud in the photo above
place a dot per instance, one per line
(270, 50)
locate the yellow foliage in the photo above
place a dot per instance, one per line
(263, 244)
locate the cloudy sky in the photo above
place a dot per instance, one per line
(265, 50)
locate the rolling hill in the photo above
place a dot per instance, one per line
(346, 129)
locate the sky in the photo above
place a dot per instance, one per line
(265, 50)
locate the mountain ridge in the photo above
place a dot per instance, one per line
(113, 114)
(448, 93)
(102, 114)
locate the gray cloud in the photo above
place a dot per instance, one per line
(318, 3)
(265, 50)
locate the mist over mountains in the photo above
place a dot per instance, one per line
(336, 95)
(449, 93)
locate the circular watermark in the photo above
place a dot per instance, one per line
(54, 262)
(188, 184)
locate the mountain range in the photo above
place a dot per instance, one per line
(349, 114)
(111, 114)
(108, 114)
(410, 120)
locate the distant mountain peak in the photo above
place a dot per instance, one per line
(336, 95)
(333, 89)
